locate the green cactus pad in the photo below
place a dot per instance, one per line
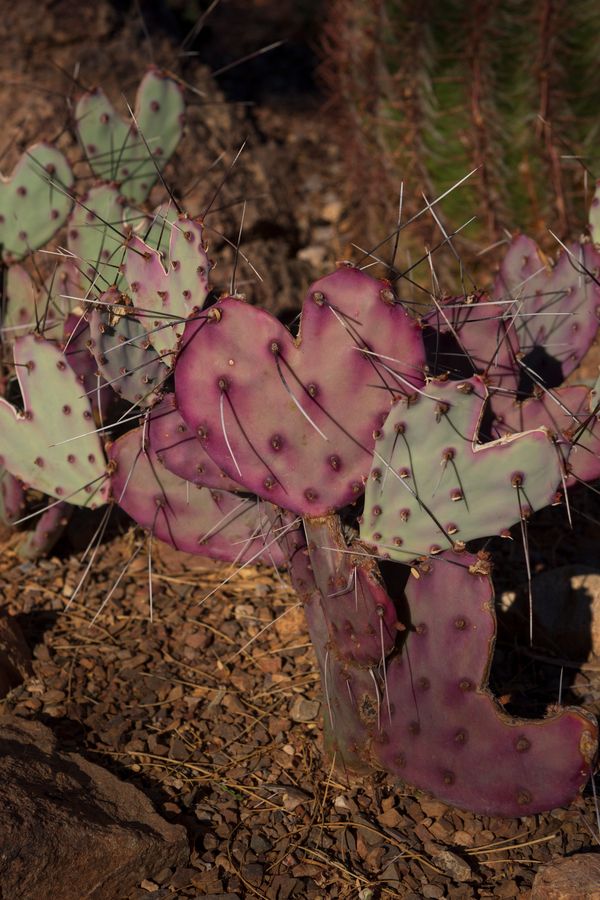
(19, 314)
(96, 238)
(34, 201)
(432, 487)
(123, 353)
(44, 310)
(32, 444)
(116, 150)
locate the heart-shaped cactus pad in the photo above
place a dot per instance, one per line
(131, 154)
(294, 420)
(35, 445)
(432, 486)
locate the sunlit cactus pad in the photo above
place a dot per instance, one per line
(127, 152)
(569, 415)
(443, 731)
(555, 310)
(36, 445)
(293, 420)
(432, 485)
(473, 334)
(190, 518)
(180, 451)
(34, 201)
(168, 290)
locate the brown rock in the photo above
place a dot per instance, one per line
(15, 656)
(68, 823)
(303, 710)
(574, 878)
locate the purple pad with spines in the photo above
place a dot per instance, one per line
(193, 519)
(180, 451)
(557, 308)
(293, 420)
(360, 615)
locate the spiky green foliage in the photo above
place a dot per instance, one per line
(429, 91)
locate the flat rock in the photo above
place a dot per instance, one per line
(71, 828)
(574, 878)
(15, 656)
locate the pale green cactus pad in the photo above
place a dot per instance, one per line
(119, 151)
(432, 487)
(170, 293)
(98, 229)
(43, 310)
(96, 238)
(19, 312)
(35, 445)
(34, 201)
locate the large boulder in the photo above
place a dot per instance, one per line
(574, 878)
(70, 829)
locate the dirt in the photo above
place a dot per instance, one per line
(212, 704)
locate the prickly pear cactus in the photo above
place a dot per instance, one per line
(180, 451)
(48, 529)
(20, 314)
(568, 414)
(432, 487)
(167, 296)
(34, 201)
(473, 335)
(293, 420)
(361, 618)
(555, 310)
(435, 724)
(12, 498)
(190, 518)
(52, 445)
(123, 353)
(132, 152)
(96, 238)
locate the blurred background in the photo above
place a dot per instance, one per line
(344, 105)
